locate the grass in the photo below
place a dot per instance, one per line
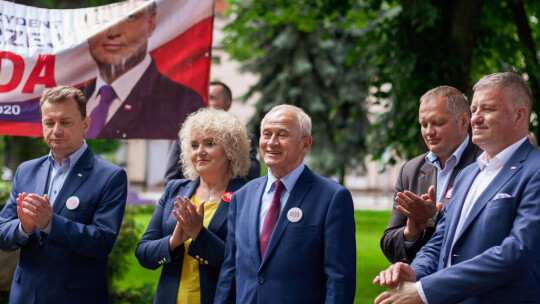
(369, 258)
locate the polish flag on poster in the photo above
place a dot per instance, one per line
(152, 57)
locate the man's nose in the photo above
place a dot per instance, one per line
(113, 31)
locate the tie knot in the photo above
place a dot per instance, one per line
(107, 94)
(278, 186)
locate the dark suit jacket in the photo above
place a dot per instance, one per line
(417, 176)
(495, 258)
(153, 249)
(70, 264)
(309, 261)
(155, 108)
(174, 169)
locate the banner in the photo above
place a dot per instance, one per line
(143, 65)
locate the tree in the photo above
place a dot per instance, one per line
(417, 45)
(300, 51)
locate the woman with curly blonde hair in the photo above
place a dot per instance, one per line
(187, 232)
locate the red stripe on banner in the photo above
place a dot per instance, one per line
(20, 129)
(186, 58)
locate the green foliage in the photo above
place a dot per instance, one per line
(300, 55)
(5, 189)
(133, 295)
(124, 247)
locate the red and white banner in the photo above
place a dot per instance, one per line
(154, 54)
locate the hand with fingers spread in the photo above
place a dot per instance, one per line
(27, 223)
(189, 218)
(417, 209)
(395, 274)
(38, 209)
(403, 293)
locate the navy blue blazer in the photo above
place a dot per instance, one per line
(153, 249)
(155, 101)
(309, 261)
(70, 264)
(495, 258)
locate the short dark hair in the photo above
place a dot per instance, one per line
(61, 94)
(227, 94)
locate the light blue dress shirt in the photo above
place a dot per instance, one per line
(443, 175)
(288, 181)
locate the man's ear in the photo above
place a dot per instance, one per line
(306, 144)
(465, 121)
(521, 114)
(152, 23)
(86, 124)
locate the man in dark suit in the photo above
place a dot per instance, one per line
(130, 98)
(485, 249)
(291, 233)
(220, 97)
(444, 117)
(64, 211)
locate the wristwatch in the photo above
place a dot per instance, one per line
(431, 222)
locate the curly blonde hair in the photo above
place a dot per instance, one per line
(225, 129)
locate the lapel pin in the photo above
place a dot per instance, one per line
(512, 168)
(79, 175)
(127, 107)
(294, 215)
(72, 203)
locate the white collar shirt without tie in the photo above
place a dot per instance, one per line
(121, 86)
(488, 171)
(288, 181)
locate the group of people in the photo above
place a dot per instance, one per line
(466, 217)
(286, 237)
(464, 226)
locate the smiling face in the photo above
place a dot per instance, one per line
(282, 147)
(441, 131)
(120, 47)
(63, 127)
(207, 156)
(496, 122)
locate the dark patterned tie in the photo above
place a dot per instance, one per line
(99, 114)
(271, 218)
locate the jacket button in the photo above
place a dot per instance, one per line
(41, 243)
(261, 280)
(197, 257)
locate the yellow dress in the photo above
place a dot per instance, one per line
(189, 291)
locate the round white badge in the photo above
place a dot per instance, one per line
(294, 215)
(72, 203)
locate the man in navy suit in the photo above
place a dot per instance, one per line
(64, 211)
(130, 98)
(485, 249)
(291, 233)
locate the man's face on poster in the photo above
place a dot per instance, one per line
(124, 44)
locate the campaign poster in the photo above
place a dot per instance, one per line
(142, 65)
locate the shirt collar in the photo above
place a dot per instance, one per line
(72, 159)
(434, 160)
(500, 159)
(288, 180)
(125, 83)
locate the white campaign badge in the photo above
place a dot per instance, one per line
(72, 203)
(294, 215)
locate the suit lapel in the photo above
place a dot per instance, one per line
(254, 209)
(507, 172)
(221, 213)
(76, 177)
(428, 172)
(43, 177)
(297, 196)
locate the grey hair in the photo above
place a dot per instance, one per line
(303, 119)
(513, 84)
(226, 130)
(456, 102)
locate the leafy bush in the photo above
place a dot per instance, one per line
(5, 188)
(133, 295)
(125, 245)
